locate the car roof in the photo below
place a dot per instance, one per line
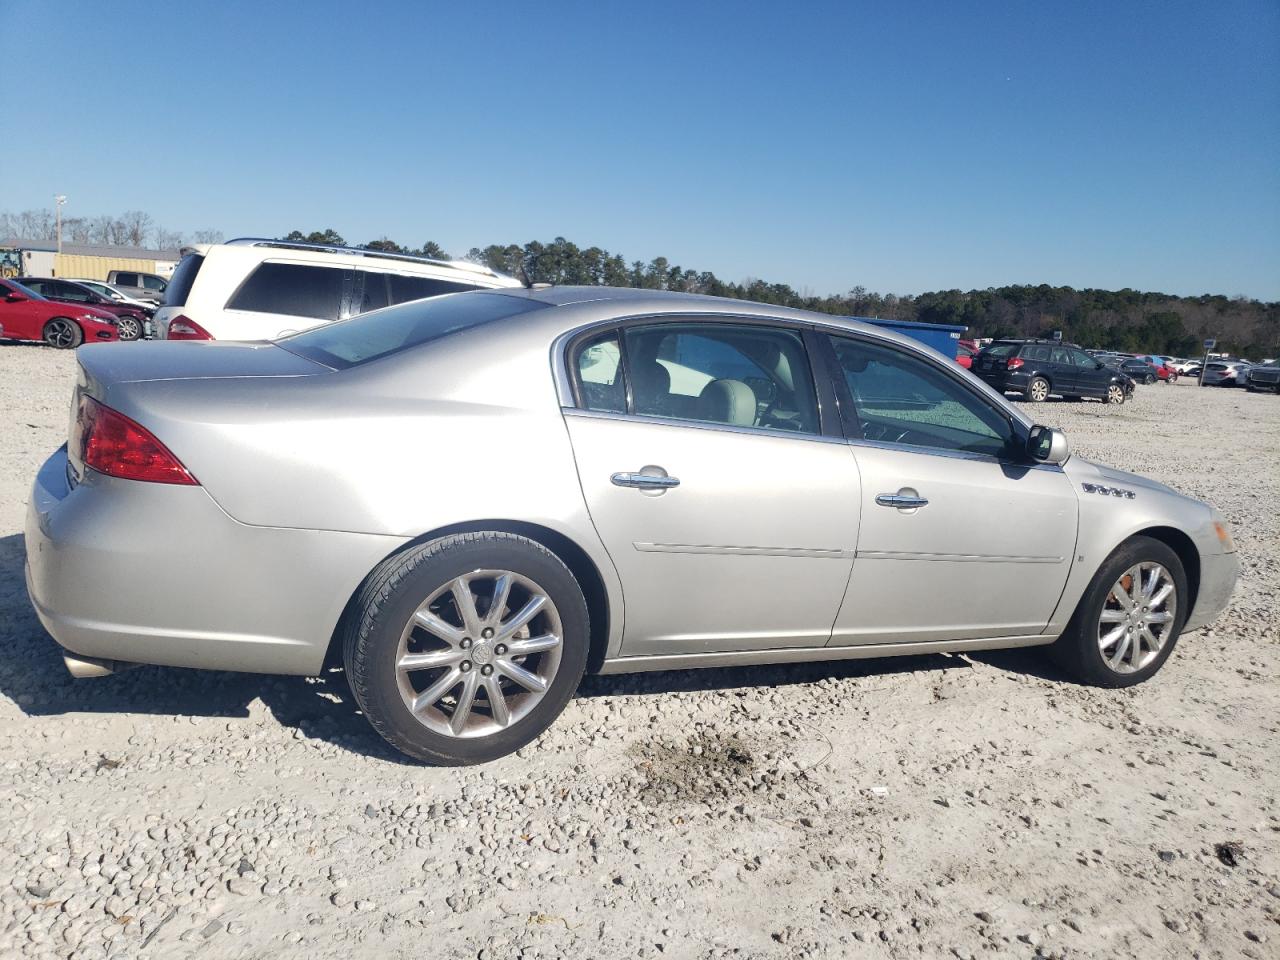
(618, 302)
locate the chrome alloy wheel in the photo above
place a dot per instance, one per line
(1137, 617)
(128, 328)
(59, 332)
(479, 654)
(1039, 390)
(1115, 393)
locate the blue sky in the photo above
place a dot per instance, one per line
(901, 146)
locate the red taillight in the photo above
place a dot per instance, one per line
(184, 328)
(113, 444)
(1015, 363)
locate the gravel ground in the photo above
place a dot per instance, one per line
(935, 806)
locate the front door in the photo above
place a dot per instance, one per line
(959, 539)
(731, 520)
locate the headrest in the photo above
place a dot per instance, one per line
(728, 401)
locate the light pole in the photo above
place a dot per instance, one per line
(58, 200)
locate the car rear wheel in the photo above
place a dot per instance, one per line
(1115, 393)
(466, 648)
(63, 334)
(1038, 390)
(128, 328)
(1129, 618)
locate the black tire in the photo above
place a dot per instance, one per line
(1149, 379)
(1077, 650)
(62, 333)
(129, 328)
(1037, 390)
(387, 601)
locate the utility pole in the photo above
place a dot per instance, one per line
(58, 200)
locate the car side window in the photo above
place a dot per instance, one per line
(293, 289)
(1082, 359)
(374, 293)
(419, 288)
(153, 283)
(601, 382)
(128, 279)
(902, 399)
(1061, 356)
(67, 291)
(1039, 353)
(738, 375)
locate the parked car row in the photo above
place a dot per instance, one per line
(131, 318)
(26, 315)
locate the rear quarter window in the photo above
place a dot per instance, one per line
(1002, 349)
(291, 289)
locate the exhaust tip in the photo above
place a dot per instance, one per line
(84, 667)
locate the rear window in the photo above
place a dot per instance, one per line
(372, 336)
(292, 289)
(184, 277)
(405, 288)
(1003, 349)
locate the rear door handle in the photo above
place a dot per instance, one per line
(644, 481)
(902, 501)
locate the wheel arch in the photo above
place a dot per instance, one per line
(1185, 548)
(580, 564)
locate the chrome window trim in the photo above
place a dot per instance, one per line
(952, 454)
(699, 425)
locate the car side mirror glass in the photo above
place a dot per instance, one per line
(1047, 445)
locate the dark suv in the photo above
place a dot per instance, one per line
(1038, 368)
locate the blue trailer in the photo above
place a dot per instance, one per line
(943, 337)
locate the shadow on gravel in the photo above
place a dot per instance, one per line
(1027, 662)
(33, 676)
(769, 675)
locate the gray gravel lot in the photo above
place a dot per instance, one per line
(932, 806)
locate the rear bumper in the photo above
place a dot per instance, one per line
(153, 573)
(1218, 574)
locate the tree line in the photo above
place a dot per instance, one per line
(133, 228)
(1129, 320)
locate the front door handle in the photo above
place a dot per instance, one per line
(644, 481)
(902, 500)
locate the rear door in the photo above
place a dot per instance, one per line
(731, 518)
(959, 538)
(1063, 372)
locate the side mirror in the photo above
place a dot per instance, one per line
(1099, 365)
(14, 298)
(1046, 445)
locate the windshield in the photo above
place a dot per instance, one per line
(382, 333)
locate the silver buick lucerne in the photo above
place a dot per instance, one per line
(471, 500)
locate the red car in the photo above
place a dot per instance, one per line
(132, 320)
(25, 315)
(964, 356)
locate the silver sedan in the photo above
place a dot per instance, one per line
(472, 500)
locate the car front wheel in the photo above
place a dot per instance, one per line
(1115, 393)
(466, 648)
(63, 334)
(128, 328)
(1129, 618)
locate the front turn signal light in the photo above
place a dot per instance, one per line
(1224, 537)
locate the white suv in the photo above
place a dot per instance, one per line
(252, 289)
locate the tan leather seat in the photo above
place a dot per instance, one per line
(728, 401)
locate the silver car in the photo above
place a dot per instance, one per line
(471, 500)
